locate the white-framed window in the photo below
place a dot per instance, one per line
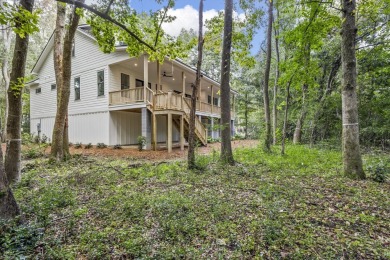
(77, 88)
(38, 90)
(100, 82)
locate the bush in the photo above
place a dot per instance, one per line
(141, 142)
(88, 146)
(44, 139)
(26, 138)
(70, 144)
(36, 139)
(101, 145)
(117, 146)
(378, 172)
(32, 153)
(78, 145)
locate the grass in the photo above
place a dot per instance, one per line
(268, 206)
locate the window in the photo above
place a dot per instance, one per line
(73, 49)
(125, 81)
(216, 101)
(53, 86)
(100, 82)
(77, 88)
(140, 83)
(209, 99)
(38, 90)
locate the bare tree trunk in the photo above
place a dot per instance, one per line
(191, 134)
(8, 206)
(226, 146)
(353, 166)
(63, 39)
(298, 128)
(268, 136)
(277, 74)
(14, 120)
(246, 115)
(286, 116)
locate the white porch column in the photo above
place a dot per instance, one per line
(158, 76)
(212, 100)
(146, 74)
(146, 126)
(169, 131)
(182, 132)
(183, 80)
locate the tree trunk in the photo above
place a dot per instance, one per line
(226, 146)
(191, 134)
(277, 74)
(298, 129)
(246, 115)
(353, 166)
(8, 206)
(328, 90)
(6, 37)
(286, 116)
(63, 39)
(14, 120)
(268, 136)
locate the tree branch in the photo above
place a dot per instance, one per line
(108, 18)
(162, 20)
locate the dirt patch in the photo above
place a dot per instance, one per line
(132, 152)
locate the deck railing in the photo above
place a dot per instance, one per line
(159, 101)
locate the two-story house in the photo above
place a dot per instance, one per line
(116, 98)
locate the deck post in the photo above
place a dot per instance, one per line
(158, 76)
(146, 74)
(169, 99)
(145, 126)
(212, 127)
(169, 125)
(212, 99)
(182, 132)
(183, 80)
(154, 132)
(199, 95)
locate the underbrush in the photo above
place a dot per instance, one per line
(267, 206)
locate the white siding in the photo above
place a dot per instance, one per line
(162, 130)
(84, 128)
(125, 127)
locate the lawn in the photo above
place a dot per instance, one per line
(267, 206)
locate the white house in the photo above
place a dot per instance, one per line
(109, 102)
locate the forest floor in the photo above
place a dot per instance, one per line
(297, 206)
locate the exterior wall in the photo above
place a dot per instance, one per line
(162, 130)
(82, 127)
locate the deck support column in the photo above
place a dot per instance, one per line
(183, 80)
(146, 75)
(169, 131)
(154, 132)
(146, 126)
(212, 127)
(158, 77)
(182, 132)
(212, 99)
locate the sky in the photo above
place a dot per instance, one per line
(186, 12)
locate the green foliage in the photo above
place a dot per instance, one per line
(88, 146)
(32, 153)
(117, 147)
(141, 141)
(296, 206)
(19, 19)
(101, 145)
(78, 145)
(379, 171)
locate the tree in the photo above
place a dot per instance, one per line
(353, 166)
(277, 74)
(226, 146)
(23, 26)
(8, 206)
(191, 134)
(63, 39)
(268, 136)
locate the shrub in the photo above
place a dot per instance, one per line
(44, 139)
(101, 145)
(26, 138)
(117, 146)
(378, 172)
(88, 146)
(36, 139)
(141, 142)
(78, 145)
(32, 153)
(70, 144)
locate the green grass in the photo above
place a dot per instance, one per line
(268, 206)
